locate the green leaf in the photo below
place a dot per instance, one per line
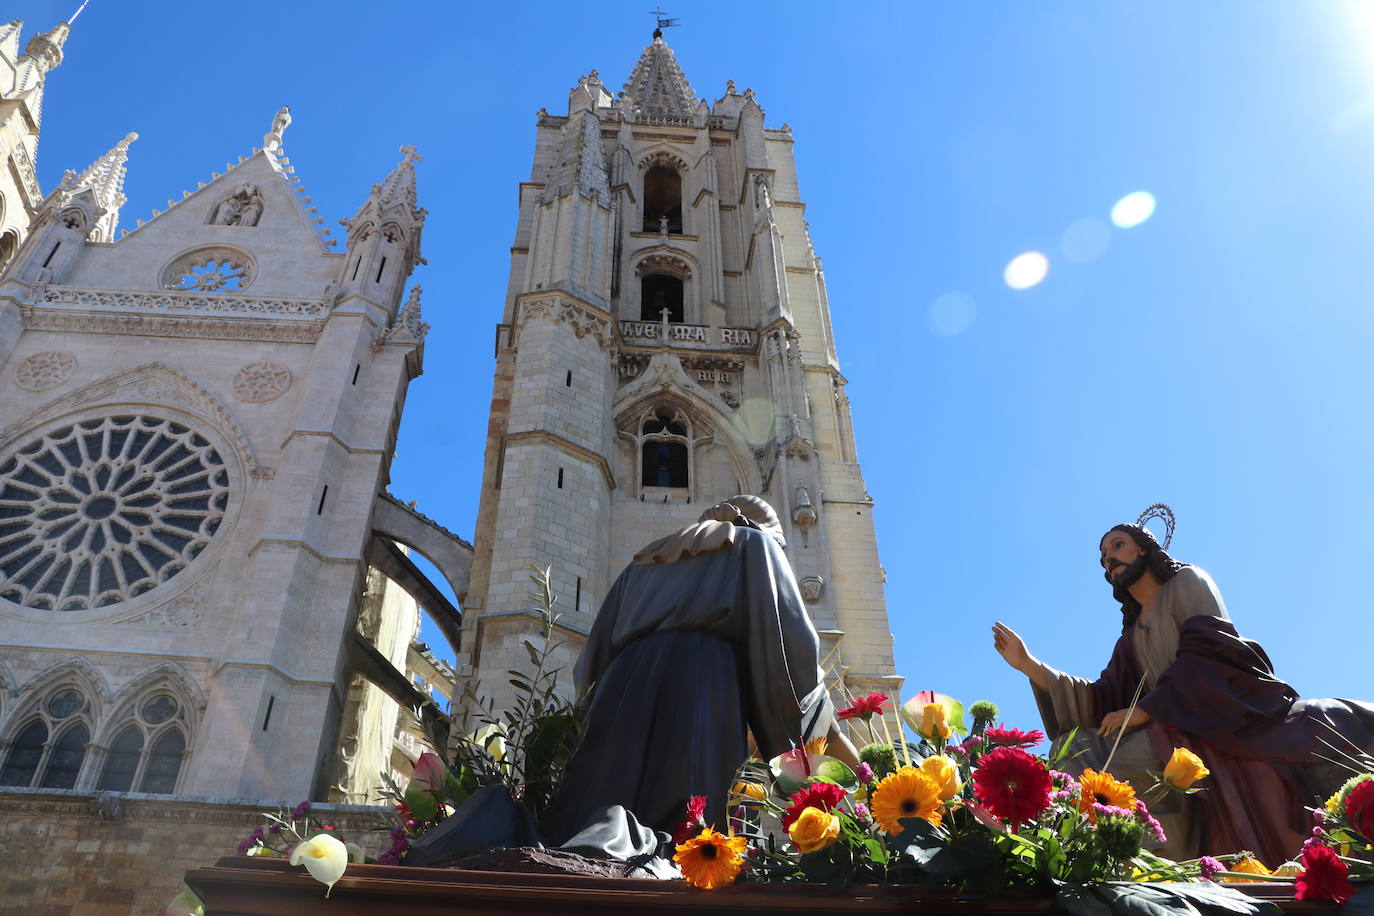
(533, 653)
(963, 855)
(421, 804)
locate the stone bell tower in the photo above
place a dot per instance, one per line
(665, 343)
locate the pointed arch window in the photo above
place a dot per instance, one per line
(662, 199)
(50, 746)
(148, 750)
(665, 451)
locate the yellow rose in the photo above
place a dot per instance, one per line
(814, 829)
(1184, 768)
(944, 774)
(933, 721)
(749, 790)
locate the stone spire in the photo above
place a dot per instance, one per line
(657, 86)
(399, 186)
(105, 177)
(43, 53)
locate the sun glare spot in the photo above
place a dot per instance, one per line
(1026, 270)
(1133, 209)
(952, 313)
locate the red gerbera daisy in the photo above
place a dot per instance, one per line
(694, 820)
(822, 795)
(1324, 876)
(1013, 737)
(864, 708)
(1359, 807)
(1012, 784)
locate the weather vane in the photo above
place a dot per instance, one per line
(663, 20)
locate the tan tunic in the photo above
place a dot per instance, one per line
(1190, 593)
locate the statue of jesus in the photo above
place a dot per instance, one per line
(1201, 686)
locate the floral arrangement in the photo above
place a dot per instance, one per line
(1340, 850)
(965, 808)
(297, 836)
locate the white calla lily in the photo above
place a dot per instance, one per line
(324, 857)
(355, 852)
(493, 738)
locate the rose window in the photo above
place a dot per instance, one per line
(107, 509)
(216, 270)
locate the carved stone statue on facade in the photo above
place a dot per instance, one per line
(243, 207)
(271, 141)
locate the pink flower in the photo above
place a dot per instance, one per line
(693, 821)
(864, 772)
(1013, 737)
(1209, 867)
(864, 708)
(428, 773)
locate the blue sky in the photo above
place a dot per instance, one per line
(1214, 357)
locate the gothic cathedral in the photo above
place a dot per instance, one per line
(198, 555)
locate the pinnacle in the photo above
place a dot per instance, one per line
(657, 84)
(400, 184)
(105, 177)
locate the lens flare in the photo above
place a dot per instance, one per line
(1026, 270)
(1085, 240)
(1133, 209)
(952, 313)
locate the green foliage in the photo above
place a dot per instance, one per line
(537, 735)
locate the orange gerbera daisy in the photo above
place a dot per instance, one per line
(818, 745)
(711, 859)
(1102, 789)
(906, 793)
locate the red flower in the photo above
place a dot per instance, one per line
(822, 795)
(1012, 784)
(1013, 737)
(1359, 807)
(864, 708)
(1324, 876)
(694, 820)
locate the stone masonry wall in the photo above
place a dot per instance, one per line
(73, 854)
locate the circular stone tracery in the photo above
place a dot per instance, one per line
(104, 510)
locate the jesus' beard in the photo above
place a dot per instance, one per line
(1134, 570)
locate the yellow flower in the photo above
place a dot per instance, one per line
(814, 829)
(1250, 866)
(324, 857)
(711, 859)
(1184, 768)
(1102, 789)
(1289, 869)
(906, 793)
(933, 721)
(943, 773)
(749, 790)
(817, 745)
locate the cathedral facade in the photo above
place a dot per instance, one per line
(197, 418)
